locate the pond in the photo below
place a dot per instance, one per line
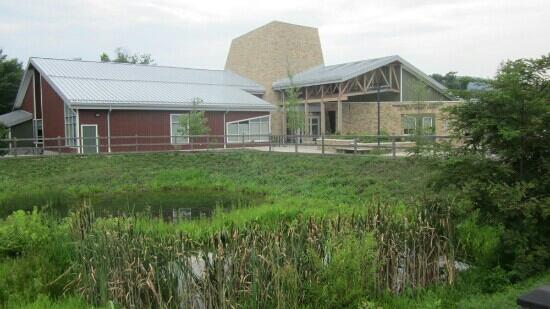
(170, 205)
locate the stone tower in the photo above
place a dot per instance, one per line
(270, 52)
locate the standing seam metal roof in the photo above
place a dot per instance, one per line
(88, 84)
(321, 75)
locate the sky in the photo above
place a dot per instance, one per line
(470, 37)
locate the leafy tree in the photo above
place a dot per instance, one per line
(502, 172)
(458, 85)
(11, 72)
(194, 122)
(124, 56)
(3, 135)
(512, 120)
(294, 117)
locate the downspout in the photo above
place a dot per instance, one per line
(401, 83)
(109, 128)
(224, 130)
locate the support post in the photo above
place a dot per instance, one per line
(59, 145)
(296, 143)
(354, 145)
(393, 148)
(323, 118)
(323, 143)
(339, 116)
(15, 146)
(270, 141)
(378, 114)
(136, 143)
(306, 119)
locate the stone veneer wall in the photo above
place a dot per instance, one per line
(361, 118)
(268, 53)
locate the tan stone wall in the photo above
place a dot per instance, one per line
(266, 54)
(361, 118)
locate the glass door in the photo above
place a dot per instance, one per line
(314, 125)
(89, 139)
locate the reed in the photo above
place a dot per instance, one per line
(306, 260)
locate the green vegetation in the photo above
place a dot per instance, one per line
(11, 72)
(444, 228)
(330, 227)
(122, 55)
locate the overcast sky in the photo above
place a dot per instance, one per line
(468, 36)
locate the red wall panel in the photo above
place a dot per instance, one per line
(53, 121)
(152, 128)
(28, 100)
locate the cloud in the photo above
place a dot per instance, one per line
(469, 36)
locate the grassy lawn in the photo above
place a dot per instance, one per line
(294, 178)
(311, 206)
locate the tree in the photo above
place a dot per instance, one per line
(512, 120)
(508, 189)
(294, 117)
(458, 85)
(11, 72)
(194, 122)
(124, 56)
(3, 135)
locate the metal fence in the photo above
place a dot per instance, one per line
(394, 145)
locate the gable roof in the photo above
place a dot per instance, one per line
(14, 118)
(90, 84)
(322, 74)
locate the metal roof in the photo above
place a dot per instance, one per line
(322, 74)
(89, 84)
(14, 118)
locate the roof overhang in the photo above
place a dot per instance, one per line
(14, 118)
(169, 106)
(286, 83)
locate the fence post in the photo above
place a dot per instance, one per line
(207, 142)
(15, 146)
(59, 145)
(270, 141)
(136, 142)
(354, 145)
(393, 150)
(323, 143)
(296, 140)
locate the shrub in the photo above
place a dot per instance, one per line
(35, 256)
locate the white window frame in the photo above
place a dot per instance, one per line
(39, 138)
(174, 138)
(263, 139)
(415, 124)
(71, 141)
(424, 122)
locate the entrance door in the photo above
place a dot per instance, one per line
(314, 123)
(89, 138)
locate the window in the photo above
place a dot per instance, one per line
(37, 130)
(409, 125)
(70, 127)
(248, 130)
(177, 137)
(427, 122)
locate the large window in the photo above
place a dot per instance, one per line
(176, 137)
(37, 130)
(409, 125)
(70, 127)
(248, 130)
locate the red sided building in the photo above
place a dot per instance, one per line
(89, 107)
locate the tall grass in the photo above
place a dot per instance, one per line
(306, 260)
